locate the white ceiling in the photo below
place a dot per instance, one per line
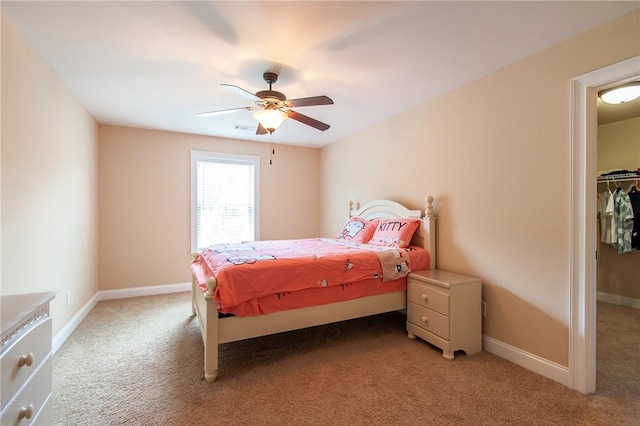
(156, 64)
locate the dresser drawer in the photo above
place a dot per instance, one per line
(428, 296)
(35, 346)
(428, 319)
(45, 414)
(34, 397)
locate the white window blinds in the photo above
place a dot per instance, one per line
(225, 199)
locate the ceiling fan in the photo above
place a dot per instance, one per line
(272, 107)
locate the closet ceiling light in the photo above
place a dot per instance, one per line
(622, 94)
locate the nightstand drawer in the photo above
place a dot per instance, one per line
(428, 296)
(428, 319)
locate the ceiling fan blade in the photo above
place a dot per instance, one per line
(261, 130)
(314, 100)
(307, 120)
(241, 92)
(224, 111)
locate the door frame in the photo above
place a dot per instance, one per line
(583, 229)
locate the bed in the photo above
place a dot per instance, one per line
(218, 326)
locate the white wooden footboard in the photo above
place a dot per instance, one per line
(216, 331)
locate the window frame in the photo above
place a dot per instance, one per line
(197, 156)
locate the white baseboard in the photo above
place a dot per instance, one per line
(616, 299)
(542, 366)
(125, 293)
(539, 365)
(69, 327)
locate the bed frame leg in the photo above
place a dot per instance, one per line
(211, 363)
(193, 296)
(211, 356)
(194, 285)
(211, 340)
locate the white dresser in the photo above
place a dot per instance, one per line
(25, 359)
(445, 308)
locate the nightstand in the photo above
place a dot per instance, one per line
(444, 308)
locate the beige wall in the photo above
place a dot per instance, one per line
(619, 148)
(496, 155)
(619, 145)
(144, 180)
(49, 171)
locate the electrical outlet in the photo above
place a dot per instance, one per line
(484, 309)
(68, 298)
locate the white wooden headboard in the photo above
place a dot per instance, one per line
(425, 235)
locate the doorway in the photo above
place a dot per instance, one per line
(583, 273)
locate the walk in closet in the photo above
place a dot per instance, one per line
(618, 266)
(618, 154)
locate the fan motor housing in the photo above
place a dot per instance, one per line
(271, 95)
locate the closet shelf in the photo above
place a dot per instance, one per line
(622, 177)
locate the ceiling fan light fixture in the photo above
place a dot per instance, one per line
(270, 118)
(622, 94)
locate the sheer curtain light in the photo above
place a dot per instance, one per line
(270, 118)
(622, 94)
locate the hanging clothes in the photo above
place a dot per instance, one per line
(607, 219)
(623, 215)
(634, 198)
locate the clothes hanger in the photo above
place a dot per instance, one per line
(617, 185)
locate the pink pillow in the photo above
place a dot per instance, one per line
(358, 230)
(394, 232)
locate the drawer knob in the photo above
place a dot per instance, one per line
(25, 412)
(424, 297)
(26, 360)
(424, 319)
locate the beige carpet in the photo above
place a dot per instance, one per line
(139, 362)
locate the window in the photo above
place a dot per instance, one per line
(224, 198)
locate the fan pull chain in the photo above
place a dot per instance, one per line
(273, 150)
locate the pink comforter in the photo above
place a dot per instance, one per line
(253, 270)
